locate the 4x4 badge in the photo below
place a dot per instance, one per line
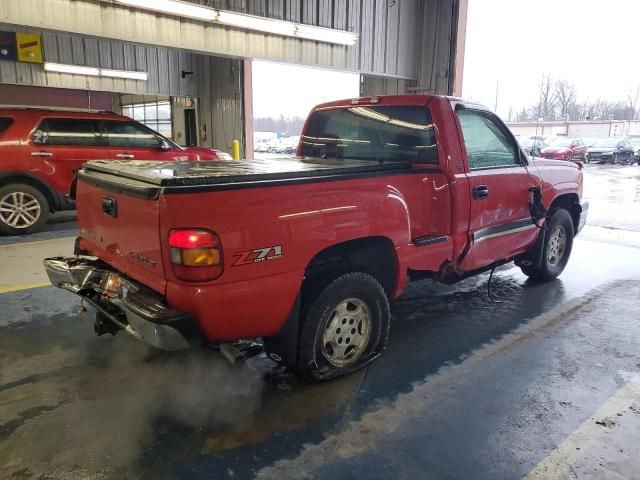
(258, 255)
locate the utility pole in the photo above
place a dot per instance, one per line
(497, 88)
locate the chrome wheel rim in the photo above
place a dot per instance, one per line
(19, 210)
(557, 246)
(347, 332)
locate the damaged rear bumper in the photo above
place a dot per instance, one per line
(139, 311)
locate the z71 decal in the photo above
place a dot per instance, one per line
(258, 255)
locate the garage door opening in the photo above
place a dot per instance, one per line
(284, 94)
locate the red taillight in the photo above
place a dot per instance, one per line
(196, 255)
(192, 239)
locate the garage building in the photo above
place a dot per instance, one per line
(184, 68)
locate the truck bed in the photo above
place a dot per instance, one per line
(169, 175)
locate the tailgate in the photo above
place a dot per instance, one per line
(119, 222)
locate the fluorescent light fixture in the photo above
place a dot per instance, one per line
(248, 22)
(105, 72)
(330, 35)
(75, 69)
(181, 9)
(94, 72)
(260, 24)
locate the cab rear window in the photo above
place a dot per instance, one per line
(380, 133)
(4, 124)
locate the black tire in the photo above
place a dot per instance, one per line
(321, 312)
(32, 215)
(570, 157)
(552, 266)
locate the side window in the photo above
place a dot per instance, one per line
(486, 143)
(67, 131)
(130, 134)
(4, 123)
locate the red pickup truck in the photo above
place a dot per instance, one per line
(307, 252)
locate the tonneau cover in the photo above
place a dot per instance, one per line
(176, 174)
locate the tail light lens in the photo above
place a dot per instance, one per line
(196, 254)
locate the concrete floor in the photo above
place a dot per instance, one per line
(544, 385)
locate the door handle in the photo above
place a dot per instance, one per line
(126, 156)
(41, 154)
(480, 192)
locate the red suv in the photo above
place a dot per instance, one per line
(41, 149)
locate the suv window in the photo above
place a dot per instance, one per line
(130, 134)
(400, 134)
(68, 131)
(4, 124)
(486, 142)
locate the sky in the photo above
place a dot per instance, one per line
(293, 91)
(590, 43)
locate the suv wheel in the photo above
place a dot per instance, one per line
(345, 326)
(558, 243)
(23, 209)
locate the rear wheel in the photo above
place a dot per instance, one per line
(557, 247)
(23, 209)
(344, 327)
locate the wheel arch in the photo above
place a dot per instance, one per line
(43, 186)
(569, 202)
(375, 255)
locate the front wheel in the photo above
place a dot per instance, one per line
(23, 209)
(344, 327)
(557, 247)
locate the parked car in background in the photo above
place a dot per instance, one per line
(635, 142)
(611, 150)
(288, 145)
(562, 148)
(41, 149)
(533, 146)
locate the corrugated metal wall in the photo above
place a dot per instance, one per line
(218, 86)
(389, 30)
(162, 64)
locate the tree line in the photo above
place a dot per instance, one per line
(558, 100)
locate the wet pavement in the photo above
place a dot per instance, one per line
(543, 384)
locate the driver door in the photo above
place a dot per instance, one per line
(500, 224)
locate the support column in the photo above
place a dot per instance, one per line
(247, 94)
(458, 59)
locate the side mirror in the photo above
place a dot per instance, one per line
(39, 137)
(164, 145)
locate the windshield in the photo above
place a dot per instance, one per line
(561, 142)
(606, 143)
(398, 134)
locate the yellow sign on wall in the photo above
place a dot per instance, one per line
(29, 47)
